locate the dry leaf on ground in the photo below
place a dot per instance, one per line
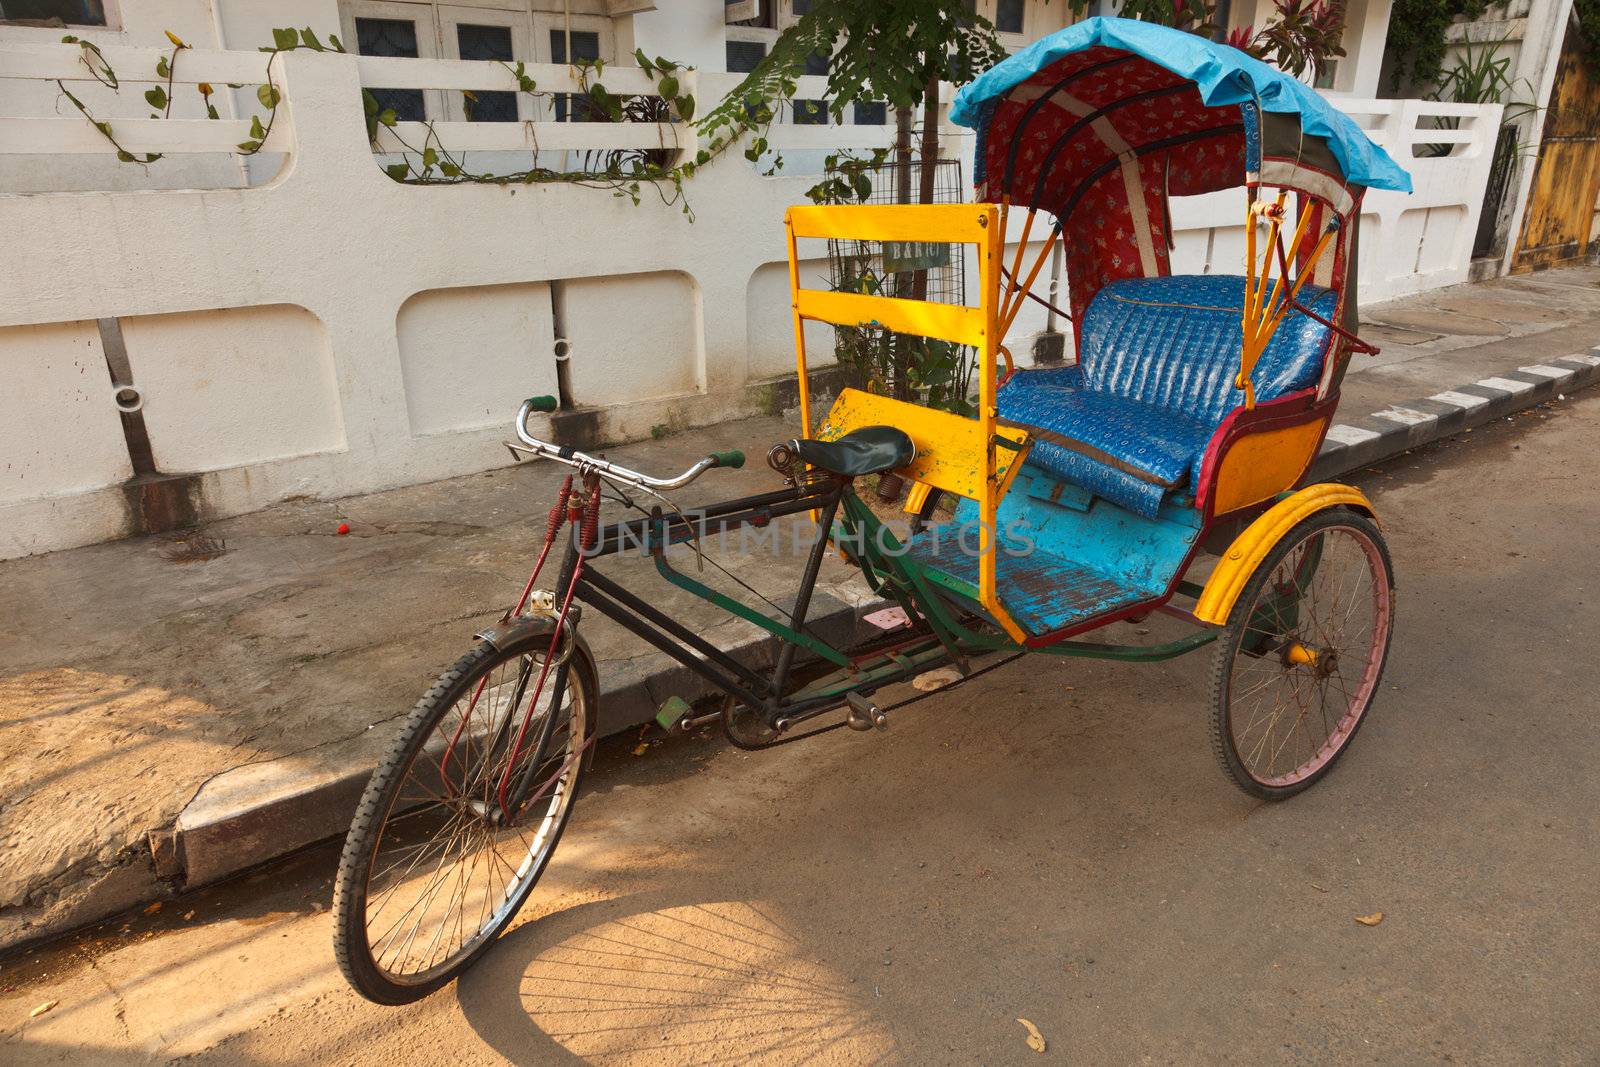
(928, 681)
(1370, 920)
(41, 1009)
(1035, 1038)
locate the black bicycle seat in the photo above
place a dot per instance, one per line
(868, 450)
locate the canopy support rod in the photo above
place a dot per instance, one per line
(1263, 312)
(1012, 306)
(1089, 118)
(1038, 105)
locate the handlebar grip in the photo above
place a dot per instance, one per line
(731, 458)
(543, 403)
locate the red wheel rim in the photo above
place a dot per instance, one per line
(1302, 677)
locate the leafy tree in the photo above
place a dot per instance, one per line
(1416, 37)
(896, 51)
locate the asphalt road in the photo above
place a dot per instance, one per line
(1053, 842)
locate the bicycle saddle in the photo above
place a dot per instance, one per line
(868, 450)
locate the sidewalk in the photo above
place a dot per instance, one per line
(165, 724)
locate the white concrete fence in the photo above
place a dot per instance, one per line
(329, 331)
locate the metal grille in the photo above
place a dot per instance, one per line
(487, 42)
(392, 37)
(938, 373)
(585, 45)
(1494, 193)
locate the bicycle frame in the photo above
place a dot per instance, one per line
(938, 631)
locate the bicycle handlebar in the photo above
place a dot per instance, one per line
(573, 458)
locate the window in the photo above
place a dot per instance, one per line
(747, 13)
(487, 42)
(392, 37)
(585, 45)
(1008, 16)
(72, 12)
(813, 112)
(872, 113)
(743, 56)
(504, 31)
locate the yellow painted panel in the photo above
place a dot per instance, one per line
(1264, 464)
(949, 322)
(950, 448)
(1236, 566)
(932, 223)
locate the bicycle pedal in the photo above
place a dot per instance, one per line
(864, 714)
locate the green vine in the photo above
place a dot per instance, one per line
(91, 57)
(848, 177)
(625, 172)
(160, 97)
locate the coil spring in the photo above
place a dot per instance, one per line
(554, 523)
(589, 533)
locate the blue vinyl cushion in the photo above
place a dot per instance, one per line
(1157, 359)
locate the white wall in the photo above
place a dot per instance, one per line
(332, 332)
(233, 386)
(62, 433)
(464, 350)
(684, 31)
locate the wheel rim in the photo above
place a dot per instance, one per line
(1306, 667)
(446, 868)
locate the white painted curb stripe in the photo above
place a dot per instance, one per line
(1506, 385)
(1593, 361)
(1408, 416)
(1350, 435)
(1547, 372)
(1460, 400)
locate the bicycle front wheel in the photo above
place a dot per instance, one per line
(441, 855)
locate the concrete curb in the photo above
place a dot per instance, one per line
(1395, 429)
(252, 814)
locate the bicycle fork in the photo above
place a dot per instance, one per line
(583, 517)
(580, 512)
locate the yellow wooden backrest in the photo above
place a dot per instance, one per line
(919, 223)
(950, 448)
(956, 454)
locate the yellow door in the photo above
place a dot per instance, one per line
(1558, 227)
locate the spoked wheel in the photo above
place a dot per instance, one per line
(441, 854)
(1300, 662)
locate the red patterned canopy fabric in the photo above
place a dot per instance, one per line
(1102, 137)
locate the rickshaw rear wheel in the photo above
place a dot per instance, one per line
(432, 869)
(1301, 659)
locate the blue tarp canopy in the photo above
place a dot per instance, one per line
(1222, 75)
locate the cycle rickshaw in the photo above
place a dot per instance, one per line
(1190, 416)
